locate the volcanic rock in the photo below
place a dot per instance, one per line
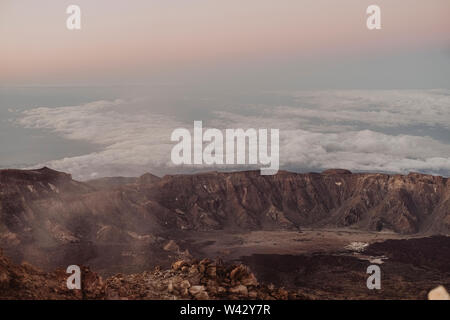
(438, 293)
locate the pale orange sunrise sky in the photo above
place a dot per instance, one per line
(127, 39)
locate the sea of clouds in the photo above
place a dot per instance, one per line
(375, 130)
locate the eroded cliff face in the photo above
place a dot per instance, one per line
(46, 206)
(336, 198)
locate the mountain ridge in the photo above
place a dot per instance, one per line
(216, 200)
(50, 219)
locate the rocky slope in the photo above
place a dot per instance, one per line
(409, 268)
(320, 276)
(414, 203)
(49, 219)
(27, 282)
(200, 280)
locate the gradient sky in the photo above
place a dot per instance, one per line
(309, 43)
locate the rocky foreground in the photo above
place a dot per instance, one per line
(205, 280)
(200, 280)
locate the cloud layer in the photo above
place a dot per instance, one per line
(393, 131)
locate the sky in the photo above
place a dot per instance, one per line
(160, 41)
(103, 100)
